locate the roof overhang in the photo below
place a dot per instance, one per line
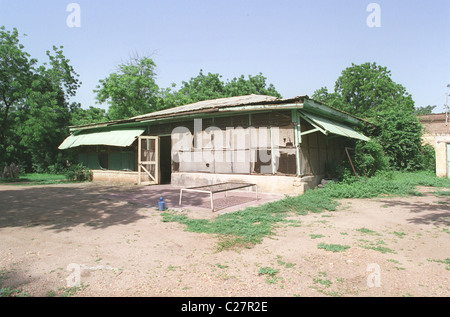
(120, 138)
(327, 127)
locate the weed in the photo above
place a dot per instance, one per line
(326, 283)
(267, 271)
(377, 247)
(316, 236)
(441, 193)
(248, 227)
(446, 261)
(70, 291)
(368, 231)
(221, 266)
(400, 234)
(333, 247)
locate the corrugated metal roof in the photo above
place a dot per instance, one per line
(336, 128)
(210, 104)
(120, 138)
(215, 105)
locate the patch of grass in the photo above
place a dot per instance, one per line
(367, 231)
(446, 261)
(316, 236)
(248, 227)
(267, 271)
(400, 234)
(378, 246)
(7, 291)
(270, 274)
(287, 265)
(71, 291)
(333, 247)
(35, 179)
(441, 193)
(221, 266)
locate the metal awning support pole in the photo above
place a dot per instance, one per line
(297, 138)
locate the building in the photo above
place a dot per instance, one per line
(437, 134)
(282, 145)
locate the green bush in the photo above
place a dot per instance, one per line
(78, 173)
(370, 158)
(428, 158)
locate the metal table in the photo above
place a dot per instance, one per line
(217, 188)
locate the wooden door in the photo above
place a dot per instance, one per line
(148, 161)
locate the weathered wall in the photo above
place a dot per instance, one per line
(440, 144)
(239, 144)
(437, 134)
(278, 184)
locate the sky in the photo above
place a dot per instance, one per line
(299, 46)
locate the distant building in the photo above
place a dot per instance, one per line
(437, 134)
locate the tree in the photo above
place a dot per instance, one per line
(211, 86)
(15, 78)
(368, 91)
(253, 85)
(365, 90)
(333, 99)
(420, 111)
(80, 116)
(130, 91)
(400, 134)
(33, 106)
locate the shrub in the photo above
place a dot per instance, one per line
(370, 158)
(78, 173)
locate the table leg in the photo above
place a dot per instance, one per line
(181, 195)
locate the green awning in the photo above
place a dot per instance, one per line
(120, 138)
(327, 126)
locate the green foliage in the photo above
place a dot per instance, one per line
(368, 91)
(130, 91)
(249, 226)
(80, 116)
(332, 247)
(400, 134)
(34, 110)
(370, 158)
(211, 86)
(428, 158)
(420, 111)
(267, 271)
(78, 173)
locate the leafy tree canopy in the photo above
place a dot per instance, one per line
(131, 90)
(34, 110)
(420, 111)
(365, 90)
(368, 91)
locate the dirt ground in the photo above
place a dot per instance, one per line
(111, 240)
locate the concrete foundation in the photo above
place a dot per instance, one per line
(275, 184)
(288, 185)
(114, 176)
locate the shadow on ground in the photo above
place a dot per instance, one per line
(436, 213)
(63, 207)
